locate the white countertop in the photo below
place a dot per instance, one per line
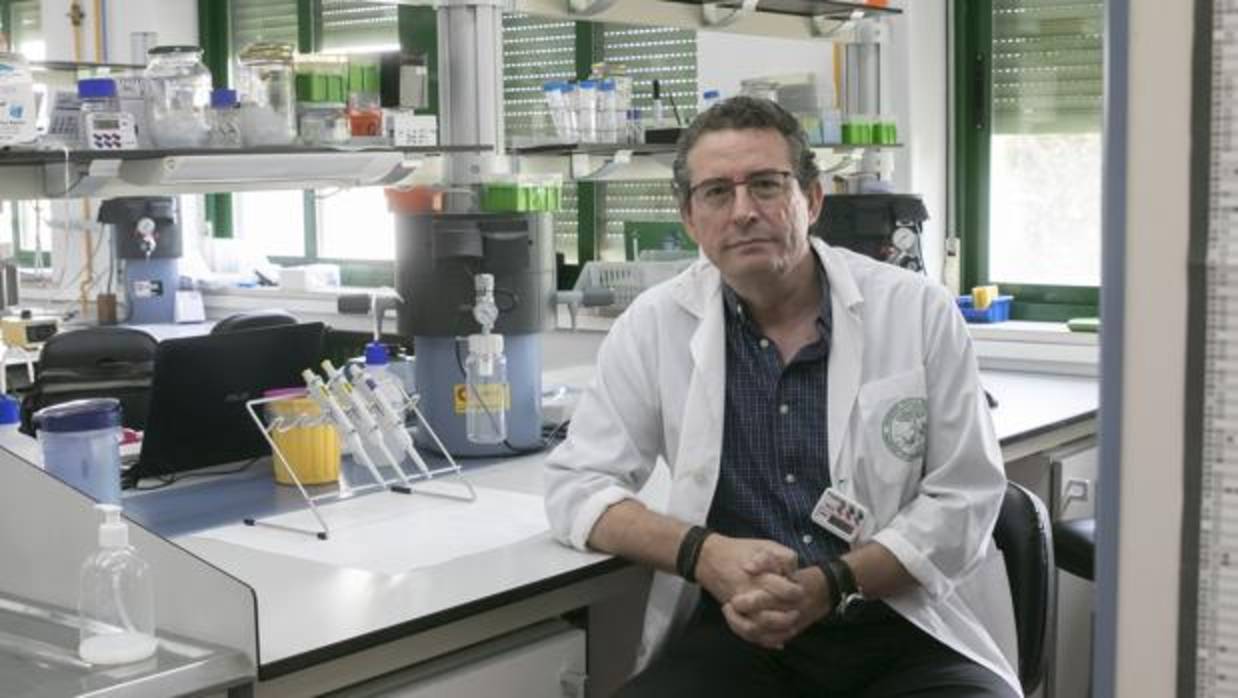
(295, 617)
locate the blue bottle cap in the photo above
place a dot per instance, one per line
(588, 84)
(712, 94)
(376, 354)
(96, 88)
(607, 85)
(10, 410)
(79, 415)
(223, 98)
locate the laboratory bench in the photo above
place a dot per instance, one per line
(427, 583)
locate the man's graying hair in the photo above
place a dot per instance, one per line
(745, 113)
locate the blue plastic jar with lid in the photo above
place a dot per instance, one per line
(81, 445)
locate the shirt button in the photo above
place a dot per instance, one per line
(789, 479)
(764, 343)
(807, 538)
(783, 408)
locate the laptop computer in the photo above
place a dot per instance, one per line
(197, 404)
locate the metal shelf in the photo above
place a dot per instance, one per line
(31, 174)
(829, 9)
(644, 161)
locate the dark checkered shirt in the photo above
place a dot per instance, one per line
(775, 461)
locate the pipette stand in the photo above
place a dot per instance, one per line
(403, 483)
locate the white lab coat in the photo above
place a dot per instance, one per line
(659, 392)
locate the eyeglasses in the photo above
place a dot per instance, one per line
(718, 194)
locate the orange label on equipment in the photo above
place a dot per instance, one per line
(488, 397)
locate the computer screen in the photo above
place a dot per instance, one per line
(197, 407)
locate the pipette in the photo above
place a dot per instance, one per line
(321, 395)
(355, 407)
(391, 420)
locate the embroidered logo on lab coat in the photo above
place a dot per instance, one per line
(904, 426)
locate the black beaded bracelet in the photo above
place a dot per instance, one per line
(690, 552)
(835, 584)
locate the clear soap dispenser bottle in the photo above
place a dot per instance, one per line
(116, 599)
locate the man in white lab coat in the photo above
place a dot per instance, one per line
(834, 473)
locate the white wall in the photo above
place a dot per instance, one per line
(723, 59)
(917, 72)
(175, 22)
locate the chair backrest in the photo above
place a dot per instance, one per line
(254, 319)
(1024, 534)
(95, 362)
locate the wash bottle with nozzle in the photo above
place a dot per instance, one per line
(116, 599)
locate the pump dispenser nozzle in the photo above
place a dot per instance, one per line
(113, 533)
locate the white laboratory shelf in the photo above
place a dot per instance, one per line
(789, 19)
(643, 162)
(35, 174)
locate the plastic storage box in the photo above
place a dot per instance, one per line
(508, 196)
(998, 310)
(627, 279)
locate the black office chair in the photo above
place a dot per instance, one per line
(1025, 536)
(94, 362)
(1074, 543)
(254, 319)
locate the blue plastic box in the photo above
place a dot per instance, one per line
(998, 310)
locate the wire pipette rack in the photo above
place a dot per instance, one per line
(403, 482)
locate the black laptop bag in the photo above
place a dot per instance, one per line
(94, 362)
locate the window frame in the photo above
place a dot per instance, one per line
(973, 120)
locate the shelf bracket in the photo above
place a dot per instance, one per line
(402, 172)
(827, 27)
(583, 168)
(585, 8)
(64, 179)
(715, 15)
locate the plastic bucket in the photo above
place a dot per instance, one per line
(313, 452)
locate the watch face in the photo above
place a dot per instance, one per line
(904, 239)
(849, 601)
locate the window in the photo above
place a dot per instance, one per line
(1029, 167)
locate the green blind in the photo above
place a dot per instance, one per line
(1047, 66)
(537, 49)
(648, 53)
(358, 25)
(263, 20)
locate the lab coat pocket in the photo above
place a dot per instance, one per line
(894, 414)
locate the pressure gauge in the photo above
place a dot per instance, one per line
(904, 239)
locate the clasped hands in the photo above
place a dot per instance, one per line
(766, 598)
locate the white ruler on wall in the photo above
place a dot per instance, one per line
(1215, 666)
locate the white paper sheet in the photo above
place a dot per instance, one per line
(394, 533)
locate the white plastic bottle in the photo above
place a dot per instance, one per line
(116, 598)
(608, 112)
(377, 364)
(587, 111)
(488, 401)
(390, 387)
